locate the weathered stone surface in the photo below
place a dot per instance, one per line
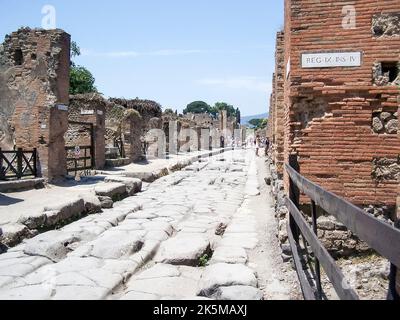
(377, 124)
(80, 293)
(92, 204)
(106, 202)
(141, 296)
(225, 275)
(21, 185)
(53, 245)
(326, 223)
(244, 240)
(110, 189)
(159, 226)
(63, 211)
(229, 255)
(133, 185)
(13, 234)
(385, 115)
(392, 126)
(144, 176)
(238, 293)
(166, 281)
(159, 271)
(38, 292)
(386, 24)
(184, 249)
(116, 245)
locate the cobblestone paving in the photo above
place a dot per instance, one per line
(184, 237)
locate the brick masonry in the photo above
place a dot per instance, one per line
(88, 108)
(34, 85)
(329, 112)
(341, 122)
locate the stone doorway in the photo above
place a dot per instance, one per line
(80, 148)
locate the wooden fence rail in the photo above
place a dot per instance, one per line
(380, 236)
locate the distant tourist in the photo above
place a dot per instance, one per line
(258, 145)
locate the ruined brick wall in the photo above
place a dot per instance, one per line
(88, 108)
(125, 124)
(147, 109)
(278, 104)
(34, 85)
(340, 121)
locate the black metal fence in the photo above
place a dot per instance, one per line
(17, 164)
(80, 158)
(380, 236)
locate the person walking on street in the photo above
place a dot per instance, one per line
(258, 145)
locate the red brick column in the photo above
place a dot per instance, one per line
(34, 85)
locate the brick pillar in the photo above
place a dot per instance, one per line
(34, 85)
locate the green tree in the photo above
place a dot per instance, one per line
(219, 106)
(258, 123)
(197, 107)
(81, 79)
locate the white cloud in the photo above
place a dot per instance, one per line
(247, 83)
(134, 54)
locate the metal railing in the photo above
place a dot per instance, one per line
(17, 164)
(80, 161)
(380, 236)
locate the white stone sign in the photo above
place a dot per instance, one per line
(87, 112)
(62, 107)
(331, 59)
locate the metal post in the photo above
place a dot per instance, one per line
(34, 158)
(294, 195)
(394, 285)
(317, 264)
(19, 163)
(2, 169)
(93, 148)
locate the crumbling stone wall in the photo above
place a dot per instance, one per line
(88, 108)
(385, 122)
(208, 130)
(125, 124)
(386, 24)
(34, 85)
(276, 121)
(147, 109)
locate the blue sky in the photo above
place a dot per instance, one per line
(171, 51)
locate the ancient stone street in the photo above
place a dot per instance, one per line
(187, 235)
(185, 155)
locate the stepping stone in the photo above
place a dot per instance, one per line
(116, 245)
(225, 275)
(133, 185)
(110, 189)
(52, 245)
(184, 249)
